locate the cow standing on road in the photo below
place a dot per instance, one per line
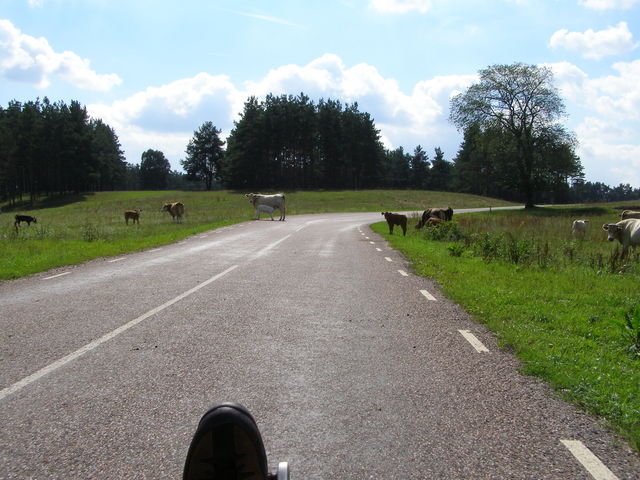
(274, 201)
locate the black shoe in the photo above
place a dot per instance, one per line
(226, 446)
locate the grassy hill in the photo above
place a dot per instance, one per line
(74, 229)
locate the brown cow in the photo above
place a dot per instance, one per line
(133, 215)
(175, 209)
(445, 214)
(434, 221)
(396, 219)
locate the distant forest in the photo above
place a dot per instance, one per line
(282, 143)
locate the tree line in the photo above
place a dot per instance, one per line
(513, 148)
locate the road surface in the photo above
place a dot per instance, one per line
(354, 367)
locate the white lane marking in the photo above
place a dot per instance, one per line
(473, 340)
(155, 250)
(378, 249)
(116, 259)
(428, 295)
(105, 338)
(56, 276)
(269, 247)
(594, 466)
(403, 273)
(372, 243)
(388, 259)
(367, 238)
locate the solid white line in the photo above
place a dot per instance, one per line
(403, 273)
(269, 247)
(56, 276)
(428, 295)
(155, 250)
(594, 466)
(116, 259)
(105, 338)
(473, 340)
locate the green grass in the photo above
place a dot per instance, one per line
(561, 314)
(74, 229)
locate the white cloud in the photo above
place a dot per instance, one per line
(595, 45)
(400, 6)
(608, 136)
(608, 4)
(163, 117)
(32, 60)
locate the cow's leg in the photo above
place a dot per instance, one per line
(404, 229)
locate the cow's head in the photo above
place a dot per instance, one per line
(614, 231)
(166, 207)
(252, 198)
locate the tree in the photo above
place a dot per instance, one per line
(154, 170)
(522, 102)
(205, 155)
(440, 171)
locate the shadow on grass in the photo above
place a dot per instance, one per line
(46, 202)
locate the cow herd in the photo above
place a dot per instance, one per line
(626, 231)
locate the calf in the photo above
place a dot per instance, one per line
(266, 209)
(175, 209)
(24, 218)
(627, 232)
(133, 215)
(629, 214)
(434, 221)
(396, 219)
(579, 227)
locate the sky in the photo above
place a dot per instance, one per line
(156, 70)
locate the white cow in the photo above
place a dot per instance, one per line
(579, 226)
(629, 214)
(266, 209)
(627, 232)
(275, 201)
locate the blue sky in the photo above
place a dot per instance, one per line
(156, 70)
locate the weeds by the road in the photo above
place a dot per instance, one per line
(569, 308)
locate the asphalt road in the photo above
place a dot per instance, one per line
(315, 324)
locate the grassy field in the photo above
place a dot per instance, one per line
(569, 308)
(71, 230)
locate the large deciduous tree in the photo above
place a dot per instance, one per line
(205, 155)
(522, 102)
(154, 170)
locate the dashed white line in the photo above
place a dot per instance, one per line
(378, 249)
(403, 273)
(473, 340)
(428, 295)
(594, 466)
(56, 276)
(388, 259)
(372, 243)
(367, 238)
(105, 338)
(116, 260)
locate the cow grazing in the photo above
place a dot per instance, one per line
(396, 219)
(445, 214)
(627, 232)
(579, 227)
(176, 210)
(629, 214)
(275, 201)
(132, 215)
(24, 218)
(266, 209)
